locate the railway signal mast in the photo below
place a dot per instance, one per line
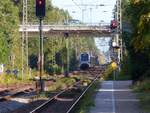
(117, 25)
(40, 13)
(119, 29)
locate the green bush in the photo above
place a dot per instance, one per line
(108, 74)
(87, 101)
(143, 86)
(143, 91)
(11, 79)
(62, 83)
(145, 101)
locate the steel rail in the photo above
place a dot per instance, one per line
(47, 102)
(42, 106)
(39, 108)
(71, 108)
(14, 94)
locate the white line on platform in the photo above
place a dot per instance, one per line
(105, 112)
(114, 90)
(120, 100)
(113, 98)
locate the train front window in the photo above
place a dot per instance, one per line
(84, 57)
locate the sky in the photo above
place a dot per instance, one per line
(92, 13)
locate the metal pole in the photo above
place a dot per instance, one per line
(91, 16)
(82, 15)
(22, 60)
(114, 73)
(54, 52)
(23, 22)
(68, 55)
(82, 12)
(41, 56)
(26, 36)
(121, 30)
(67, 18)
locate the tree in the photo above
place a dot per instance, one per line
(9, 34)
(138, 42)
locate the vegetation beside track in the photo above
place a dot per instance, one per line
(143, 92)
(108, 73)
(62, 83)
(11, 79)
(136, 62)
(88, 99)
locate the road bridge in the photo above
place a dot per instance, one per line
(72, 30)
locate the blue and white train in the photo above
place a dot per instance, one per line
(84, 61)
(87, 61)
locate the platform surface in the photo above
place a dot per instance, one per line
(116, 97)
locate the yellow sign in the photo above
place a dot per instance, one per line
(114, 65)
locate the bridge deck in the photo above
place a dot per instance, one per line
(72, 30)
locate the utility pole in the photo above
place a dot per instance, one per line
(66, 35)
(119, 28)
(82, 13)
(25, 36)
(91, 16)
(118, 34)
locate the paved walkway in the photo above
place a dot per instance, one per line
(115, 97)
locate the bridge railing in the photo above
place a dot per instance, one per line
(70, 24)
(47, 27)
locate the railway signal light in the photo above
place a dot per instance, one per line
(40, 8)
(113, 24)
(114, 65)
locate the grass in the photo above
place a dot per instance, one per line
(119, 75)
(143, 86)
(145, 101)
(11, 79)
(62, 83)
(143, 92)
(87, 101)
(109, 75)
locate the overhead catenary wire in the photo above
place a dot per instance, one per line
(76, 4)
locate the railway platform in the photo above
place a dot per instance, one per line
(116, 97)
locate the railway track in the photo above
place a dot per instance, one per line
(65, 101)
(8, 95)
(12, 92)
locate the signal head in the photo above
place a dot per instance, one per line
(40, 8)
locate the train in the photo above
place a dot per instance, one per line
(72, 22)
(86, 61)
